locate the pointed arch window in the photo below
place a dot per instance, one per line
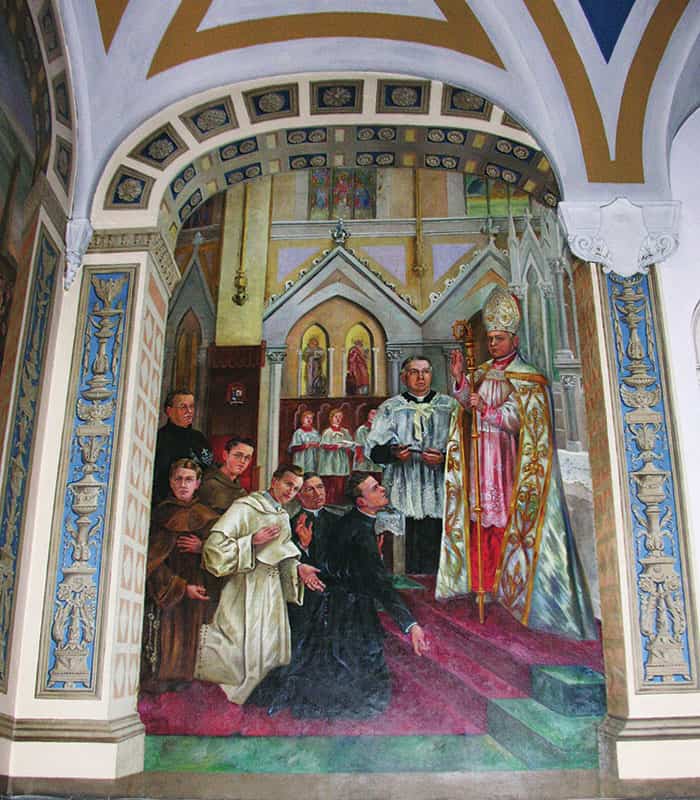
(188, 340)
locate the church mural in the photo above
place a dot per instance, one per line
(337, 335)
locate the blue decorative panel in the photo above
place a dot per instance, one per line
(336, 97)
(606, 18)
(448, 135)
(272, 102)
(161, 147)
(182, 180)
(21, 439)
(192, 202)
(663, 620)
(63, 160)
(312, 160)
(461, 103)
(240, 174)
(403, 96)
(374, 159)
(505, 174)
(47, 24)
(242, 148)
(129, 189)
(516, 150)
(307, 135)
(210, 119)
(381, 133)
(441, 161)
(79, 544)
(60, 93)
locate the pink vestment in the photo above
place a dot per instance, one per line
(499, 429)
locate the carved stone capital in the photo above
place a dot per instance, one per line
(276, 356)
(394, 353)
(624, 237)
(78, 235)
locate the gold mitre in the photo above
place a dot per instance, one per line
(501, 312)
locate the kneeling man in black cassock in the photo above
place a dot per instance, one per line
(338, 667)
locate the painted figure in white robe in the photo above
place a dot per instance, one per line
(409, 436)
(335, 452)
(305, 443)
(250, 544)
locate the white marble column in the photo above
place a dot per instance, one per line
(275, 357)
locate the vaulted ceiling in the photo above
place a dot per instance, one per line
(558, 96)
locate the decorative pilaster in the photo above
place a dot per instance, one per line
(275, 357)
(571, 384)
(557, 267)
(21, 438)
(662, 619)
(71, 649)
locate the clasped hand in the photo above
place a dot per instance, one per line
(429, 456)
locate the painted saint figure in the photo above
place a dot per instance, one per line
(357, 378)
(314, 357)
(529, 561)
(305, 443)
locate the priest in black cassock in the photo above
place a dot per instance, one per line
(338, 667)
(312, 526)
(178, 439)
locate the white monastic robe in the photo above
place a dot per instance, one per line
(249, 635)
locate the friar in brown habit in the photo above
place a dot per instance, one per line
(180, 594)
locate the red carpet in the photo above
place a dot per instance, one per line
(445, 692)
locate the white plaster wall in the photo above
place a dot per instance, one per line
(680, 288)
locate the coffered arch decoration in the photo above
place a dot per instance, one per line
(164, 171)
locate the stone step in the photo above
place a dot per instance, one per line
(542, 738)
(571, 690)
